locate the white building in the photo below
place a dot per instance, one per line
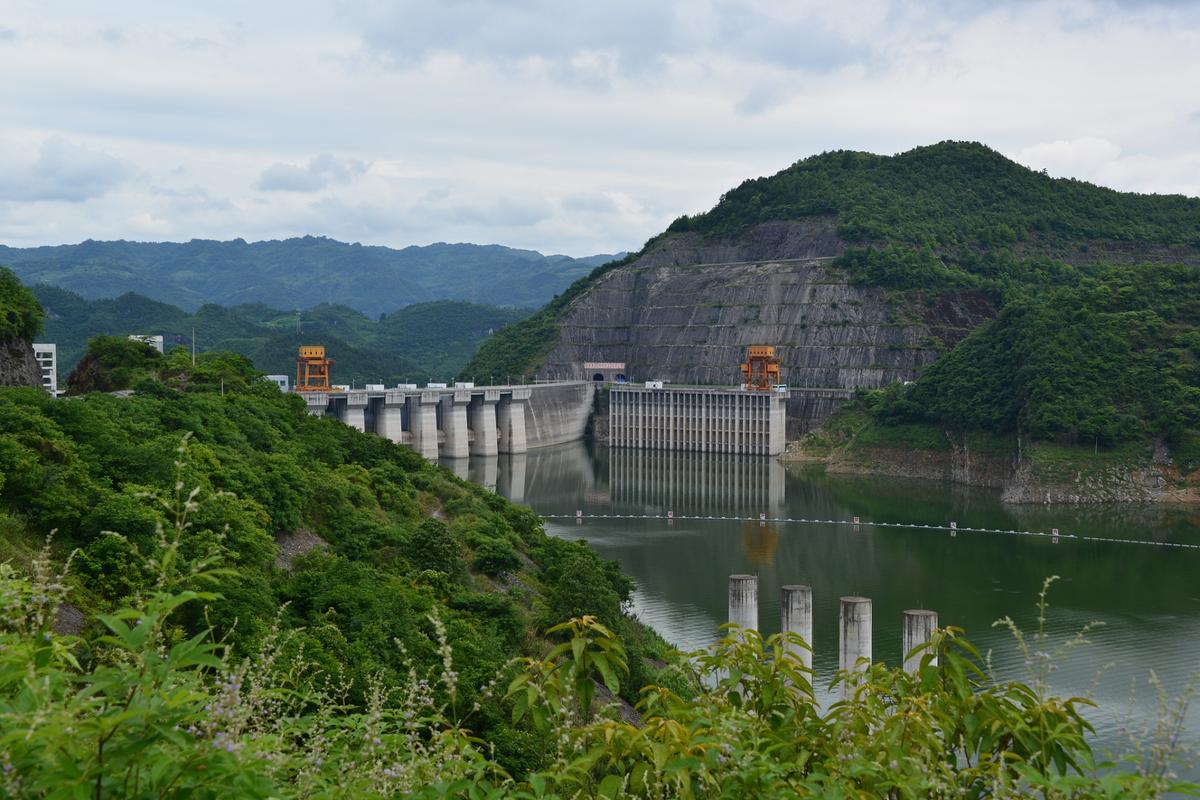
(284, 382)
(154, 341)
(47, 358)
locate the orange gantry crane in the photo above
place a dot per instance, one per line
(761, 370)
(312, 369)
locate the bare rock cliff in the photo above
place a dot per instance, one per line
(18, 367)
(686, 310)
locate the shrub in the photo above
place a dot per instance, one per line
(433, 547)
(495, 556)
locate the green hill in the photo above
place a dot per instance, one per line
(300, 273)
(952, 196)
(1096, 338)
(349, 544)
(421, 341)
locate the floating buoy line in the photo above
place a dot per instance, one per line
(1054, 535)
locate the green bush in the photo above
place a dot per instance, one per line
(113, 363)
(493, 557)
(166, 717)
(20, 312)
(432, 546)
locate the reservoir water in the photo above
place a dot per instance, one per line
(1146, 598)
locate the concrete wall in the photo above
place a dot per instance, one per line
(557, 413)
(455, 422)
(809, 408)
(706, 420)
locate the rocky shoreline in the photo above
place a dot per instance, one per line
(1019, 479)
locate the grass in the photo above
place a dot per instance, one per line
(909, 436)
(852, 429)
(1060, 462)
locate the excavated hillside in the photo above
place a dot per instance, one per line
(686, 310)
(18, 367)
(20, 322)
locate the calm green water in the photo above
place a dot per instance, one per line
(1147, 597)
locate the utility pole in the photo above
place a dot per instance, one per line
(193, 345)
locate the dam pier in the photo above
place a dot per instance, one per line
(463, 420)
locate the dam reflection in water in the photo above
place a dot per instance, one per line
(1146, 597)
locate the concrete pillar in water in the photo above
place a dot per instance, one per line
(354, 412)
(422, 416)
(510, 419)
(454, 423)
(743, 601)
(855, 619)
(482, 413)
(918, 629)
(795, 606)
(389, 423)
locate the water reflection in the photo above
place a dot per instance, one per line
(1147, 597)
(657, 481)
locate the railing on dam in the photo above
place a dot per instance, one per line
(461, 421)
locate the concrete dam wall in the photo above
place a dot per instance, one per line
(558, 413)
(464, 420)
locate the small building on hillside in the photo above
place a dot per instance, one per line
(154, 340)
(284, 382)
(46, 354)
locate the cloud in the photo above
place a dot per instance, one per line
(64, 172)
(1070, 158)
(574, 128)
(191, 199)
(321, 171)
(589, 202)
(632, 37)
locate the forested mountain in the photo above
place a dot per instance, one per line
(1096, 336)
(300, 273)
(418, 342)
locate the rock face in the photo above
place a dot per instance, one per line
(686, 310)
(18, 367)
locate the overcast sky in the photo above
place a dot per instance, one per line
(573, 127)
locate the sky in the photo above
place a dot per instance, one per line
(564, 127)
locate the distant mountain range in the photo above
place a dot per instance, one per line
(301, 272)
(419, 342)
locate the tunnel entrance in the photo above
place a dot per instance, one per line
(604, 371)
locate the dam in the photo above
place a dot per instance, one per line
(699, 419)
(464, 420)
